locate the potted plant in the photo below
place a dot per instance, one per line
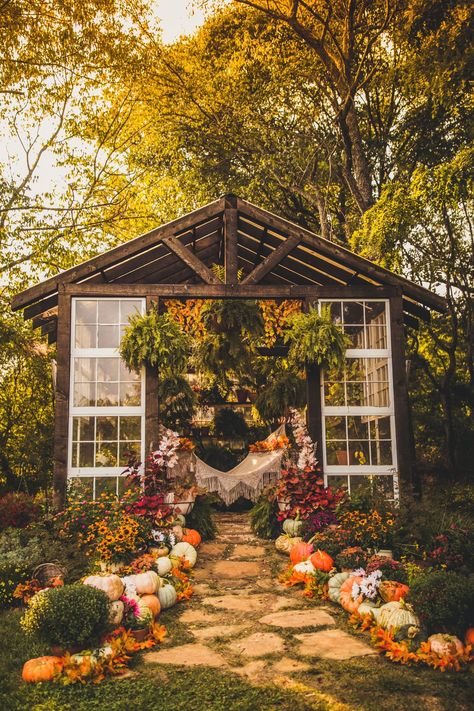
(137, 617)
(285, 391)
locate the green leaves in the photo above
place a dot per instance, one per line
(315, 340)
(157, 341)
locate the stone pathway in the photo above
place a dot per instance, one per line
(244, 621)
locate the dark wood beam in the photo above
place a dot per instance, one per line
(40, 307)
(400, 393)
(231, 291)
(272, 260)
(61, 402)
(112, 256)
(191, 260)
(230, 239)
(345, 256)
(152, 407)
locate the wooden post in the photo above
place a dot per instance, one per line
(151, 396)
(400, 392)
(61, 403)
(314, 420)
(230, 239)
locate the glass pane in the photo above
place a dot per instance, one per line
(105, 485)
(85, 336)
(106, 454)
(355, 394)
(75, 455)
(108, 369)
(334, 394)
(86, 311)
(108, 311)
(84, 370)
(335, 310)
(353, 312)
(335, 427)
(126, 374)
(359, 453)
(130, 394)
(376, 337)
(130, 428)
(355, 368)
(124, 484)
(128, 308)
(86, 454)
(384, 485)
(108, 337)
(107, 394)
(375, 312)
(336, 453)
(380, 428)
(357, 427)
(84, 395)
(107, 428)
(83, 428)
(337, 482)
(84, 485)
(361, 481)
(381, 452)
(378, 394)
(128, 452)
(356, 335)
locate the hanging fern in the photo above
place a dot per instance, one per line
(285, 391)
(157, 341)
(315, 340)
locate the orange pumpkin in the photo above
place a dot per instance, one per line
(345, 596)
(41, 669)
(153, 604)
(300, 552)
(322, 561)
(391, 591)
(191, 536)
(469, 637)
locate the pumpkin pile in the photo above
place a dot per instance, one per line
(374, 603)
(155, 581)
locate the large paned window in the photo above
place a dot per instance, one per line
(107, 400)
(357, 400)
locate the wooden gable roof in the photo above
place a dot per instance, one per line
(267, 249)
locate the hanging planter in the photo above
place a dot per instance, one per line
(315, 340)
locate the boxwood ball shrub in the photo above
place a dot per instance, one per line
(71, 616)
(443, 600)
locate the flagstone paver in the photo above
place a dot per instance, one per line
(218, 631)
(259, 644)
(332, 644)
(246, 551)
(188, 655)
(298, 618)
(236, 569)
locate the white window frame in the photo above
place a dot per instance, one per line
(362, 469)
(115, 411)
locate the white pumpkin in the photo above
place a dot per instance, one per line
(285, 543)
(444, 644)
(116, 610)
(394, 615)
(146, 583)
(163, 565)
(369, 608)
(185, 550)
(167, 596)
(180, 520)
(110, 584)
(334, 586)
(305, 566)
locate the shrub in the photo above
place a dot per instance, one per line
(264, 516)
(331, 540)
(317, 522)
(71, 616)
(453, 550)
(11, 574)
(17, 510)
(391, 569)
(444, 600)
(200, 518)
(352, 558)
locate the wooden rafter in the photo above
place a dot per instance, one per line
(191, 260)
(272, 260)
(230, 239)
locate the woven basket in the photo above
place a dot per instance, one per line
(44, 572)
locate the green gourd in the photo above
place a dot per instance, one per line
(394, 615)
(292, 526)
(334, 586)
(167, 596)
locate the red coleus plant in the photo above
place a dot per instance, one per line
(304, 492)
